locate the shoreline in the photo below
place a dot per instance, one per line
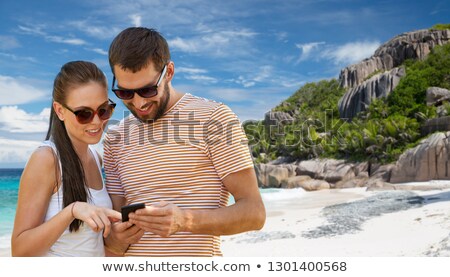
(348, 223)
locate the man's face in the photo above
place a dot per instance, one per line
(145, 109)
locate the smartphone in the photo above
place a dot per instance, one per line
(129, 209)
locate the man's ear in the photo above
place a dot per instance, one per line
(59, 110)
(170, 71)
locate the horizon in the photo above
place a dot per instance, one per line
(249, 55)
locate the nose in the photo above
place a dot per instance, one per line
(96, 119)
(138, 101)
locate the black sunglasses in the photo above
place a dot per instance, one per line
(86, 115)
(144, 92)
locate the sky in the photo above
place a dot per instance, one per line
(248, 54)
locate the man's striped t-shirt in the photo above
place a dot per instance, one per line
(180, 158)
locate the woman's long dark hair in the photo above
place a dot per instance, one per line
(72, 75)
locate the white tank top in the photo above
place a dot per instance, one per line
(84, 242)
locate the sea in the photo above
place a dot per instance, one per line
(9, 186)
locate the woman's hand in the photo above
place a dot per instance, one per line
(97, 218)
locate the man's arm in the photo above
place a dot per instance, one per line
(248, 212)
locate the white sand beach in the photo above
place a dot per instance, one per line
(351, 223)
(347, 223)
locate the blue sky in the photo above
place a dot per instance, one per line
(249, 54)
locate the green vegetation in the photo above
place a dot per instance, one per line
(376, 72)
(408, 98)
(386, 129)
(440, 27)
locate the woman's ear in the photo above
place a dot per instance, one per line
(59, 110)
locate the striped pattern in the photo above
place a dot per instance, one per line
(181, 158)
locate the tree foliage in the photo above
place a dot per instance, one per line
(386, 129)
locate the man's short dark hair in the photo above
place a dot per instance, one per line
(135, 47)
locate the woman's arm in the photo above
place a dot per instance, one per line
(31, 235)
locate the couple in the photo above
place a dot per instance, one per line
(65, 209)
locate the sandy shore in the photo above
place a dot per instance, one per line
(349, 222)
(4, 252)
(346, 222)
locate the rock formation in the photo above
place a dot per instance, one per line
(357, 99)
(437, 95)
(430, 160)
(370, 79)
(411, 45)
(273, 122)
(384, 66)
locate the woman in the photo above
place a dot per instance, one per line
(63, 207)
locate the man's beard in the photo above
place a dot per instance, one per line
(159, 112)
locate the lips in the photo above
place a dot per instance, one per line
(93, 132)
(146, 111)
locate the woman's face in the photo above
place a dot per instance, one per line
(91, 95)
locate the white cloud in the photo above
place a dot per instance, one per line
(15, 120)
(189, 70)
(341, 55)
(352, 52)
(307, 48)
(15, 91)
(8, 42)
(38, 31)
(262, 75)
(99, 51)
(215, 43)
(35, 30)
(240, 33)
(196, 74)
(184, 45)
(94, 29)
(72, 41)
(136, 20)
(291, 82)
(282, 36)
(18, 58)
(201, 78)
(16, 151)
(246, 83)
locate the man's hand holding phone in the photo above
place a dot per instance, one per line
(126, 210)
(163, 219)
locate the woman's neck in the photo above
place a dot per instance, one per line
(82, 150)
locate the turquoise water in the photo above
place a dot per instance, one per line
(9, 184)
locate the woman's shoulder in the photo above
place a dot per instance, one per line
(41, 171)
(44, 157)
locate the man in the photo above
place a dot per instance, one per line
(179, 154)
